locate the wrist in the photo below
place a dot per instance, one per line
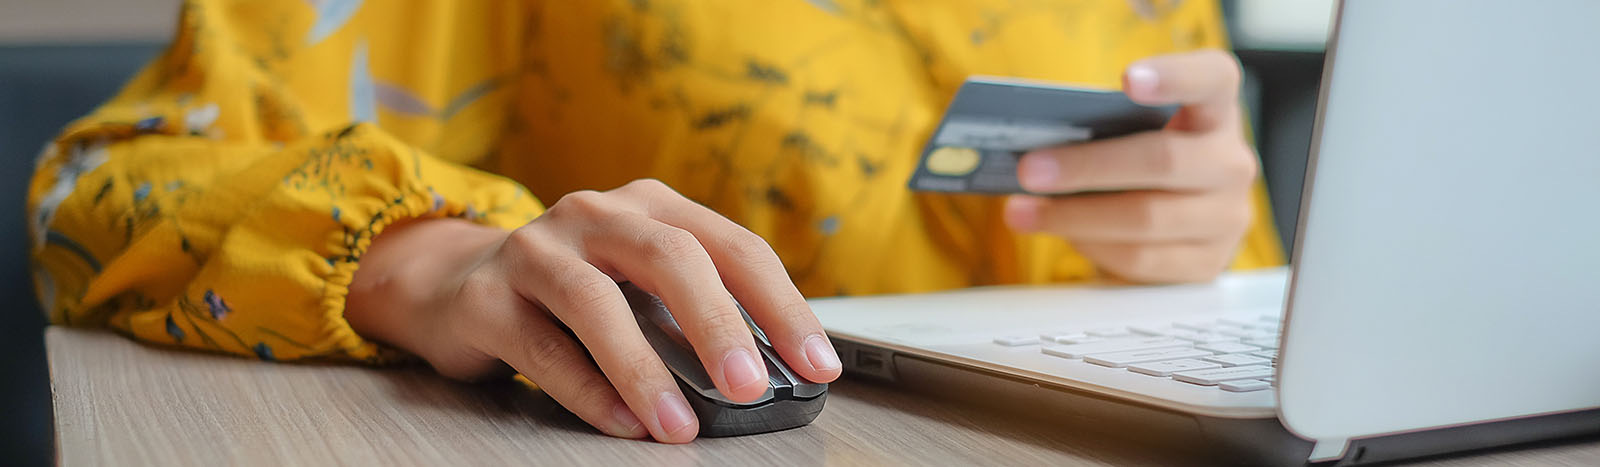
(410, 268)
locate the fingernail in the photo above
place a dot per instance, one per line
(739, 369)
(1143, 80)
(1022, 213)
(820, 354)
(627, 423)
(1039, 172)
(673, 412)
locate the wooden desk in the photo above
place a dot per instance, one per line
(118, 402)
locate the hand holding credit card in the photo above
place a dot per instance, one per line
(993, 121)
(1156, 183)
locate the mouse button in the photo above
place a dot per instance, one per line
(761, 336)
(766, 396)
(680, 359)
(808, 390)
(780, 381)
(787, 384)
(775, 366)
(779, 388)
(664, 336)
(706, 390)
(649, 310)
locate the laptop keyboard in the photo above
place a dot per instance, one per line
(1235, 355)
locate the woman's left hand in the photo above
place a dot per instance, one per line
(1168, 205)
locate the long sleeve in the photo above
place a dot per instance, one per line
(224, 198)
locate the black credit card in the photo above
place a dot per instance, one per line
(994, 121)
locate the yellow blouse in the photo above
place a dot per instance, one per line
(224, 198)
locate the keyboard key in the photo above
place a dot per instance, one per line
(1237, 332)
(1203, 337)
(1109, 332)
(1268, 318)
(1196, 325)
(1246, 335)
(1267, 354)
(1112, 345)
(1167, 368)
(1243, 323)
(1267, 343)
(1058, 335)
(1227, 347)
(1016, 341)
(1238, 360)
(1122, 359)
(1270, 380)
(1153, 330)
(1244, 385)
(1216, 375)
(1080, 340)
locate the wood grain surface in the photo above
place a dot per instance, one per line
(121, 403)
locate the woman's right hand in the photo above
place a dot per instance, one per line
(471, 299)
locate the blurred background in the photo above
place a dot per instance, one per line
(59, 58)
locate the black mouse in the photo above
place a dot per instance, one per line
(790, 401)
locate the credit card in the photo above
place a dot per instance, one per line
(992, 122)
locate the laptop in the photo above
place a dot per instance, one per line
(1444, 292)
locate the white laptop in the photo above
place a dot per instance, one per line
(1445, 288)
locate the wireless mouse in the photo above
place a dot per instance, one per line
(790, 401)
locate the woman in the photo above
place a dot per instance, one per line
(307, 180)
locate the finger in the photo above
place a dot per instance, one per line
(1133, 216)
(592, 306)
(537, 348)
(1165, 160)
(1161, 262)
(752, 271)
(671, 263)
(1204, 82)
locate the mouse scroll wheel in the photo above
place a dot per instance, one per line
(782, 386)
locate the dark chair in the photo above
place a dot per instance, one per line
(41, 89)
